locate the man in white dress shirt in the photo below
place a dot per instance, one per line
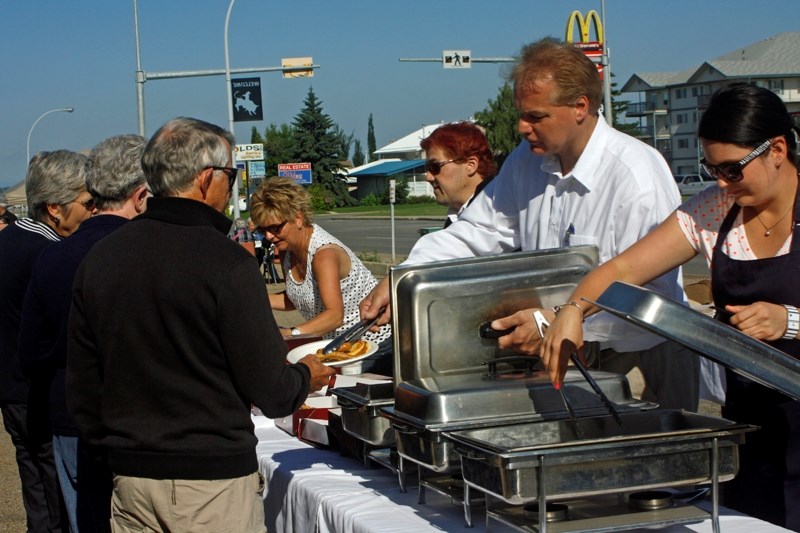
(573, 180)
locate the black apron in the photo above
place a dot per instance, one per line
(768, 483)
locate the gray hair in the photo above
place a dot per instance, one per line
(180, 149)
(114, 170)
(54, 178)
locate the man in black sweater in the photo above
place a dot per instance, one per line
(171, 339)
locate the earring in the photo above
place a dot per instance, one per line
(57, 220)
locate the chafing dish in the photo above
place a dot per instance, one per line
(426, 408)
(437, 309)
(653, 449)
(360, 412)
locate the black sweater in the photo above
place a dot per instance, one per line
(20, 245)
(171, 339)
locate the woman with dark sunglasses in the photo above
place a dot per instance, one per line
(325, 280)
(746, 228)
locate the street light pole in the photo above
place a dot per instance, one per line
(605, 60)
(28, 145)
(229, 105)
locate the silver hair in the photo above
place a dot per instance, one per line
(114, 170)
(180, 149)
(54, 178)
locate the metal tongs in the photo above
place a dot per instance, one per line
(542, 324)
(353, 333)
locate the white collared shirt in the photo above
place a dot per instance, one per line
(619, 190)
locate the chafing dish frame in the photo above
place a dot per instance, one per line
(706, 451)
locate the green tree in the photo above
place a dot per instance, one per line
(315, 142)
(618, 109)
(371, 145)
(345, 142)
(358, 153)
(278, 144)
(499, 120)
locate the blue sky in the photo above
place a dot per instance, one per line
(81, 53)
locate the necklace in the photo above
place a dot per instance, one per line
(768, 229)
(302, 266)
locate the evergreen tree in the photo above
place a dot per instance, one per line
(499, 120)
(345, 142)
(371, 145)
(316, 143)
(358, 153)
(278, 144)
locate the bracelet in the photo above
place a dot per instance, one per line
(792, 322)
(557, 309)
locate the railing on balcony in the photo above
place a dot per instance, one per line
(644, 108)
(646, 132)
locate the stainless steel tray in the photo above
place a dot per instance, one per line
(652, 449)
(361, 412)
(425, 409)
(469, 400)
(437, 308)
(720, 342)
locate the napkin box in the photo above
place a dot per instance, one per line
(315, 407)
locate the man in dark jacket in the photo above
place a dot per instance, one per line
(171, 339)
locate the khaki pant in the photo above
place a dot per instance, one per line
(188, 506)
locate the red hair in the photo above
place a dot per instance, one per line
(460, 140)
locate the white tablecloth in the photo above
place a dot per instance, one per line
(312, 490)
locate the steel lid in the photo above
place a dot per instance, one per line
(437, 308)
(722, 343)
(470, 399)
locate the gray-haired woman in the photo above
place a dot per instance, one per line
(57, 203)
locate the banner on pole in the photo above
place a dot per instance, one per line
(246, 103)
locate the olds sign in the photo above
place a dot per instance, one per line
(249, 152)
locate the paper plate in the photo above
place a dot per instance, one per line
(301, 351)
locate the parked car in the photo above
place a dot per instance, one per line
(690, 184)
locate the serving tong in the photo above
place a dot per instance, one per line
(541, 325)
(353, 333)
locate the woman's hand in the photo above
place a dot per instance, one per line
(562, 338)
(761, 320)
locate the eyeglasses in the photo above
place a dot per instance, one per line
(87, 204)
(231, 172)
(732, 172)
(434, 167)
(274, 228)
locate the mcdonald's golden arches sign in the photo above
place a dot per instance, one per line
(593, 49)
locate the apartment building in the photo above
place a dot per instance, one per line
(670, 104)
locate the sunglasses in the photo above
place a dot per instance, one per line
(434, 167)
(87, 204)
(274, 228)
(231, 172)
(732, 172)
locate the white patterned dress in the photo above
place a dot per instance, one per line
(355, 287)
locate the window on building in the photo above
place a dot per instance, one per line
(776, 86)
(683, 143)
(694, 91)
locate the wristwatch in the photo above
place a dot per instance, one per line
(792, 322)
(296, 332)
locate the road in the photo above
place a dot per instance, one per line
(368, 235)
